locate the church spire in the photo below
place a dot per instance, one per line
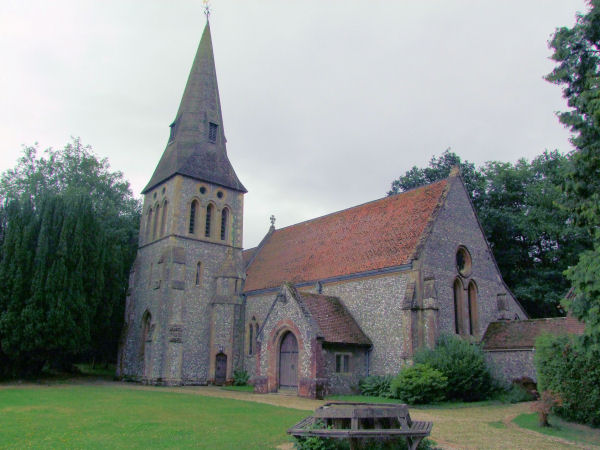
(196, 146)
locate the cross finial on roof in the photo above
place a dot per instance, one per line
(206, 6)
(272, 219)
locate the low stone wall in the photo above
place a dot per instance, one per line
(508, 365)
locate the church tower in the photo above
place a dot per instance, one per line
(184, 312)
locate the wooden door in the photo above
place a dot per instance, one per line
(220, 368)
(288, 362)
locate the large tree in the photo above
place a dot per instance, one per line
(68, 235)
(533, 240)
(576, 51)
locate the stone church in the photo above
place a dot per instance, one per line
(315, 306)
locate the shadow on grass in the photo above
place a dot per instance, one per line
(560, 428)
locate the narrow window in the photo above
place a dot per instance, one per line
(155, 224)
(212, 132)
(198, 274)
(256, 336)
(457, 307)
(224, 219)
(172, 133)
(251, 340)
(163, 222)
(192, 225)
(149, 225)
(473, 307)
(342, 362)
(209, 210)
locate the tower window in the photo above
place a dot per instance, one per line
(163, 221)
(212, 132)
(172, 133)
(192, 225)
(198, 274)
(224, 219)
(209, 210)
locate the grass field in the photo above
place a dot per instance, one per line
(116, 417)
(84, 413)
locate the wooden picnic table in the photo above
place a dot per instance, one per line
(361, 421)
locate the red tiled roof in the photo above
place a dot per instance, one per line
(521, 334)
(336, 323)
(247, 255)
(375, 235)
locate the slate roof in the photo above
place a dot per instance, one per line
(190, 152)
(521, 334)
(376, 235)
(334, 321)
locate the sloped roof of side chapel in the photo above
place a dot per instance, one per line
(376, 235)
(189, 151)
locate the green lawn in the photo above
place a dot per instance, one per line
(560, 428)
(117, 417)
(238, 388)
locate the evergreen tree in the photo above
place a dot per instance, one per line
(68, 233)
(577, 53)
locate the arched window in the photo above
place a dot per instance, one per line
(146, 326)
(155, 224)
(251, 340)
(224, 220)
(149, 225)
(473, 307)
(256, 336)
(198, 274)
(209, 212)
(458, 292)
(192, 224)
(163, 221)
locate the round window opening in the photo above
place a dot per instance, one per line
(220, 194)
(202, 190)
(463, 261)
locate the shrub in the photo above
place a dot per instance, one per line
(464, 365)
(376, 386)
(240, 378)
(515, 394)
(572, 372)
(419, 384)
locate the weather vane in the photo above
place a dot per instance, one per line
(206, 6)
(272, 219)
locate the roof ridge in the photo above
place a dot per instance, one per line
(362, 204)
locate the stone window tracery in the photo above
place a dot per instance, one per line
(155, 223)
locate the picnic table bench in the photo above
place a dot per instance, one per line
(361, 421)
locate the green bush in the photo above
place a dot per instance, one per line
(376, 386)
(240, 378)
(516, 394)
(419, 384)
(464, 365)
(572, 372)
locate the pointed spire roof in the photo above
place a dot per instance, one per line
(196, 146)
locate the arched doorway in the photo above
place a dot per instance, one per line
(220, 368)
(288, 361)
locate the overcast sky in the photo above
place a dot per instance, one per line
(324, 102)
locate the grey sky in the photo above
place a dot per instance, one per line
(324, 102)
